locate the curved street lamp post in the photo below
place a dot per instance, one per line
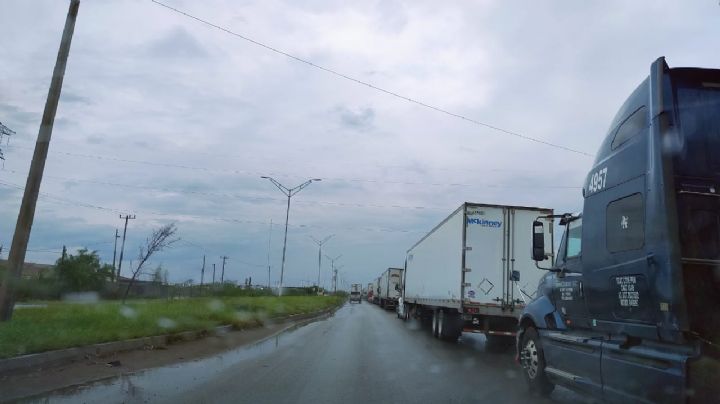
(289, 192)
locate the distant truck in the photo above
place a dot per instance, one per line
(356, 293)
(473, 273)
(390, 288)
(376, 289)
(370, 291)
(630, 308)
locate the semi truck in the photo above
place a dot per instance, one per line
(472, 272)
(370, 291)
(629, 310)
(356, 293)
(390, 287)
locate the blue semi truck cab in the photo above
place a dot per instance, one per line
(629, 309)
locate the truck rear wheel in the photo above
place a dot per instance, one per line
(448, 326)
(532, 359)
(436, 314)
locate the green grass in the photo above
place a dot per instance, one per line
(64, 325)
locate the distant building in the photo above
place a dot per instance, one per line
(32, 270)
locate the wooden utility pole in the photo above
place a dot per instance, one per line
(18, 248)
(117, 236)
(122, 246)
(213, 275)
(202, 273)
(222, 274)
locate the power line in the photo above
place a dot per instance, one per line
(270, 199)
(258, 173)
(183, 216)
(372, 86)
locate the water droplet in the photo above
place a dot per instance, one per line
(166, 323)
(215, 305)
(81, 297)
(128, 312)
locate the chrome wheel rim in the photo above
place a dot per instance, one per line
(531, 359)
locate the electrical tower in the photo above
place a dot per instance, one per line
(4, 131)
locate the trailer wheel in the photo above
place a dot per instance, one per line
(448, 327)
(532, 359)
(435, 326)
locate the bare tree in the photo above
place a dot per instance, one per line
(159, 240)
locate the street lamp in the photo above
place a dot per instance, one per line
(289, 192)
(337, 269)
(334, 270)
(320, 244)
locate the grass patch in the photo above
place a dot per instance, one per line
(65, 325)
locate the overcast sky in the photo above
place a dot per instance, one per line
(175, 121)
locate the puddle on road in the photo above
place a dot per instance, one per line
(170, 381)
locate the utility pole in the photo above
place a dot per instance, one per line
(202, 273)
(117, 236)
(122, 246)
(269, 240)
(320, 244)
(289, 192)
(18, 247)
(222, 274)
(4, 131)
(213, 275)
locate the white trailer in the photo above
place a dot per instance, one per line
(390, 287)
(473, 271)
(355, 293)
(376, 294)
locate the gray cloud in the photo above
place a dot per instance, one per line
(176, 44)
(144, 84)
(360, 119)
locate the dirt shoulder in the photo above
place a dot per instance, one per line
(93, 368)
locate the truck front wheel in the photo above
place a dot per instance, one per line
(532, 359)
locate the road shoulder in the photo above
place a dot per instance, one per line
(91, 368)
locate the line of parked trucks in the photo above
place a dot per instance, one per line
(628, 309)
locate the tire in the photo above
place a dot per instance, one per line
(436, 314)
(532, 359)
(448, 326)
(406, 312)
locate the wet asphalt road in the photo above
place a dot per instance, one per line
(362, 354)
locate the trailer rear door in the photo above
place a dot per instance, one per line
(498, 266)
(483, 280)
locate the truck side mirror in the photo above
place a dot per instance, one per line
(538, 241)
